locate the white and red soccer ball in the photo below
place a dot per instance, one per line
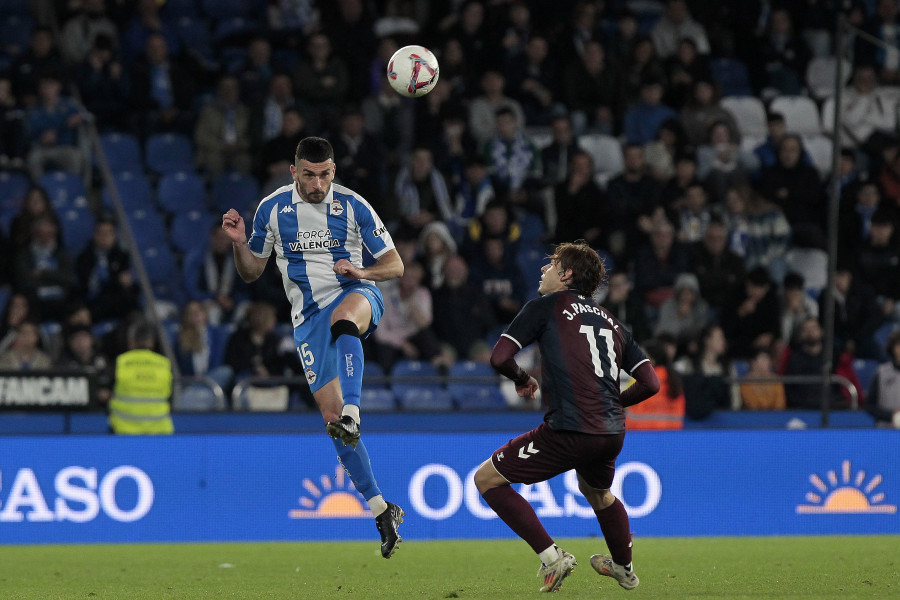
(413, 71)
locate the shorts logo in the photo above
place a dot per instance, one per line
(348, 361)
(531, 451)
(336, 208)
(499, 457)
(310, 376)
(287, 209)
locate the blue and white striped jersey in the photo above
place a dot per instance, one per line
(309, 239)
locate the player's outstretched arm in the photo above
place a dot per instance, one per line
(646, 384)
(504, 362)
(388, 266)
(249, 266)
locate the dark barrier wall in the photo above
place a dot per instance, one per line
(289, 487)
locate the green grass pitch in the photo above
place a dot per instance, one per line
(795, 567)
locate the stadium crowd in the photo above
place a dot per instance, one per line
(687, 141)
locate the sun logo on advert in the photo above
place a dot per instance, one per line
(330, 498)
(845, 493)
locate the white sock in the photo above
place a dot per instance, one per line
(377, 504)
(549, 555)
(352, 410)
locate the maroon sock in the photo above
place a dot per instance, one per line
(614, 524)
(519, 515)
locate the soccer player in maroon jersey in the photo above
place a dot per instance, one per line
(583, 348)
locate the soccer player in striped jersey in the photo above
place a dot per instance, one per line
(583, 348)
(318, 231)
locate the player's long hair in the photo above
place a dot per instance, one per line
(588, 269)
(314, 149)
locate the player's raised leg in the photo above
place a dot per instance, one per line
(556, 564)
(616, 531)
(349, 320)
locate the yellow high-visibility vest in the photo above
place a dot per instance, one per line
(140, 402)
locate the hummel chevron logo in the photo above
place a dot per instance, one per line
(531, 450)
(287, 209)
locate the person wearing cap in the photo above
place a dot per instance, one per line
(686, 313)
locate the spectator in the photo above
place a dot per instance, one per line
(750, 320)
(80, 33)
(13, 143)
(666, 408)
(43, 270)
(42, 58)
(702, 110)
(357, 154)
(868, 116)
(778, 66)
(883, 26)
(52, 125)
(762, 396)
(676, 24)
(643, 118)
(405, 329)
(268, 113)
(879, 263)
(422, 192)
(23, 353)
(797, 189)
(435, 246)
(767, 152)
(694, 216)
(462, 315)
(36, 206)
(675, 188)
(453, 145)
(720, 162)
(590, 89)
(657, 265)
(660, 154)
(704, 371)
(685, 314)
(162, 92)
(500, 279)
(518, 31)
(582, 209)
(391, 118)
(796, 305)
(621, 43)
(222, 135)
(484, 108)
(456, 70)
(633, 194)
(758, 231)
(625, 306)
(497, 221)
(104, 86)
(276, 156)
(256, 72)
(805, 357)
(199, 347)
(474, 192)
(145, 24)
(641, 66)
(582, 28)
(686, 67)
(18, 310)
(80, 352)
(321, 80)
(104, 275)
(556, 156)
(534, 81)
(210, 277)
(857, 315)
(469, 28)
(720, 272)
(855, 223)
(255, 349)
(883, 395)
(513, 160)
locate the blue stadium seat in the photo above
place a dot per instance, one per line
(406, 368)
(134, 191)
(531, 258)
(732, 77)
(77, 228)
(234, 190)
(147, 227)
(533, 227)
(169, 152)
(865, 369)
(162, 271)
(181, 192)
(741, 367)
(189, 230)
(377, 400)
(373, 370)
(122, 151)
(64, 189)
(883, 333)
(425, 399)
(13, 187)
(475, 395)
(196, 37)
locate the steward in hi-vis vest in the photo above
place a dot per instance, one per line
(140, 402)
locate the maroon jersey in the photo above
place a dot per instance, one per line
(583, 348)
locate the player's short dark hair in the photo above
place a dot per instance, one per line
(314, 149)
(588, 269)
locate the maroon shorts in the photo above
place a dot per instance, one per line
(543, 453)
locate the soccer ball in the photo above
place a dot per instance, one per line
(413, 71)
